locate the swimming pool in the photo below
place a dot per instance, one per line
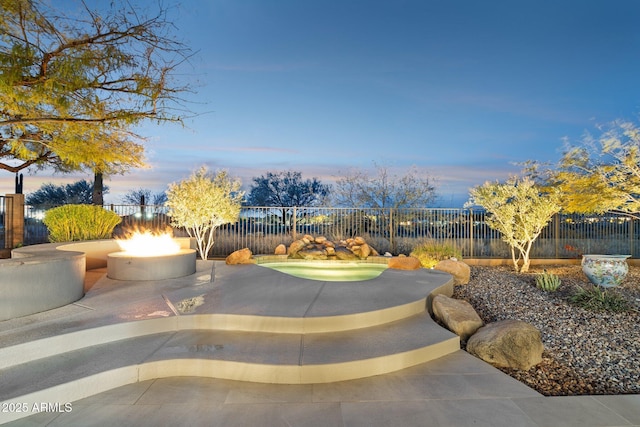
(329, 271)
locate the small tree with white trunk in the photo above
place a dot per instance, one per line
(203, 202)
(519, 209)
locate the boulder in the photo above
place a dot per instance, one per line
(280, 250)
(313, 253)
(405, 263)
(508, 344)
(310, 247)
(359, 240)
(365, 251)
(345, 254)
(459, 270)
(242, 256)
(295, 247)
(457, 315)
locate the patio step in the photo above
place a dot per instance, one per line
(253, 324)
(245, 356)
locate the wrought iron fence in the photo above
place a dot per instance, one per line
(3, 210)
(261, 229)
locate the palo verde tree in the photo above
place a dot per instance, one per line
(519, 209)
(72, 87)
(603, 173)
(203, 202)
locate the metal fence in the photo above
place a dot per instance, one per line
(261, 229)
(3, 211)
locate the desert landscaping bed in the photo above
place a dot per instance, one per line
(586, 352)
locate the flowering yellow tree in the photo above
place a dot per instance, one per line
(519, 209)
(203, 202)
(602, 174)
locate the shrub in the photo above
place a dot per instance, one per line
(202, 203)
(598, 299)
(70, 223)
(430, 253)
(547, 282)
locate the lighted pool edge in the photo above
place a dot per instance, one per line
(328, 271)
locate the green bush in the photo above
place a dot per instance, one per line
(598, 299)
(430, 253)
(547, 282)
(70, 223)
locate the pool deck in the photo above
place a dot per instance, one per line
(454, 389)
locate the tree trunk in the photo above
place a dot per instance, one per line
(98, 186)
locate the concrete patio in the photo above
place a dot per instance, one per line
(172, 352)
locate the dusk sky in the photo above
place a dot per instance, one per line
(460, 89)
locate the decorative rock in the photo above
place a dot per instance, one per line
(460, 271)
(507, 343)
(405, 263)
(457, 315)
(359, 240)
(242, 256)
(310, 247)
(280, 250)
(345, 254)
(313, 253)
(295, 247)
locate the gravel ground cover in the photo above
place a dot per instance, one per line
(586, 352)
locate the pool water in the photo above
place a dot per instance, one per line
(329, 271)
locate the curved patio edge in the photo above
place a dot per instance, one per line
(40, 278)
(43, 277)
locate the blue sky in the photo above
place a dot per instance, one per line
(460, 89)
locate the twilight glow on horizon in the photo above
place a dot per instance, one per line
(463, 89)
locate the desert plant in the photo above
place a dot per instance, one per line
(548, 282)
(599, 299)
(519, 209)
(80, 222)
(202, 203)
(430, 253)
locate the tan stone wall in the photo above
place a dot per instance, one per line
(14, 220)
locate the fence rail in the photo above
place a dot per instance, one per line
(261, 229)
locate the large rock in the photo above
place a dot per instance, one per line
(313, 253)
(310, 247)
(361, 251)
(280, 250)
(242, 256)
(508, 344)
(457, 315)
(295, 247)
(459, 270)
(345, 254)
(405, 263)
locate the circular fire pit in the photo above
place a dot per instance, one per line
(124, 266)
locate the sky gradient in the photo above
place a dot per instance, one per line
(460, 89)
